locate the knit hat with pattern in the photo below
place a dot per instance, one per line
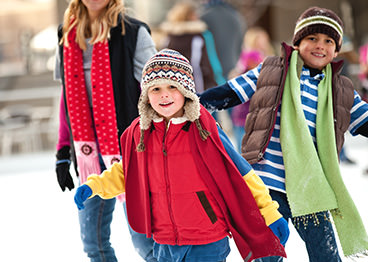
(168, 67)
(319, 20)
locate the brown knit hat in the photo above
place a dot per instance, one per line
(168, 67)
(319, 20)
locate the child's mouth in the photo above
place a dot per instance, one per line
(166, 104)
(319, 55)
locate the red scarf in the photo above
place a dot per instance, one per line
(85, 126)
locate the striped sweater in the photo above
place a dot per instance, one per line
(271, 167)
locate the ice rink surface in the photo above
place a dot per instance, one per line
(39, 222)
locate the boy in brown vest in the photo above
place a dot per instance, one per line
(300, 108)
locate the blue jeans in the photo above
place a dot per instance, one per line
(95, 220)
(211, 252)
(319, 239)
(142, 244)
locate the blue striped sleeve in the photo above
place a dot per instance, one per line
(246, 84)
(359, 114)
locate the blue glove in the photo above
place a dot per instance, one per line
(281, 230)
(83, 192)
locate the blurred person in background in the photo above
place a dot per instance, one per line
(189, 35)
(363, 69)
(227, 27)
(363, 74)
(99, 61)
(256, 46)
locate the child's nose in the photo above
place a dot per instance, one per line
(320, 44)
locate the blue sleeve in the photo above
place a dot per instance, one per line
(241, 164)
(358, 113)
(219, 98)
(245, 85)
(236, 91)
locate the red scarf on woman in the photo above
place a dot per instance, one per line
(93, 132)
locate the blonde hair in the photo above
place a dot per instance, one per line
(251, 40)
(77, 15)
(182, 11)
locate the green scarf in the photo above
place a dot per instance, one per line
(312, 179)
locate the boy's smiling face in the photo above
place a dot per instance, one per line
(317, 50)
(166, 100)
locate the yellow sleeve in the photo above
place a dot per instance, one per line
(260, 192)
(109, 184)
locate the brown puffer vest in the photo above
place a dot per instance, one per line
(266, 101)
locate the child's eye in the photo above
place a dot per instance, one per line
(155, 89)
(312, 38)
(172, 87)
(329, 41)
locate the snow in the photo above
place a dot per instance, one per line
(39, 222)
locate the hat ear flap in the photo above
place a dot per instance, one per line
(191, 109)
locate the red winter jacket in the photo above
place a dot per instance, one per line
(214, 174)
(184, 212)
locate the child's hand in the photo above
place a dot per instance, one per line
(281, 230)
(83, 192)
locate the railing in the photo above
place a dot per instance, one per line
(28, 119)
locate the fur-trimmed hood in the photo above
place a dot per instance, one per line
(168, 67)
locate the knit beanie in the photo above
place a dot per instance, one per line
(319, 20)
(168, 67)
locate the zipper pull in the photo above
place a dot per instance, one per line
(260, 156)
(164, 149)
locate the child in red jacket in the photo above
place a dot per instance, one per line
(181, 186)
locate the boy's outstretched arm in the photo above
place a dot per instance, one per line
(266, 205)
(236, 91)
(219, 98)
(109, 184)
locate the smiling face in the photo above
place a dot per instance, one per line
(167, 101)
(317, 50)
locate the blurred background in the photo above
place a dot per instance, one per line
(29, 96)
(39, 222)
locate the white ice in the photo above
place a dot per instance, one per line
(39, 222)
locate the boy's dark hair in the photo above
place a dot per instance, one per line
(319, 20)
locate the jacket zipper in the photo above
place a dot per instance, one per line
(168, 189)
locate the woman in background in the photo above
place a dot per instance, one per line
(100, 58)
